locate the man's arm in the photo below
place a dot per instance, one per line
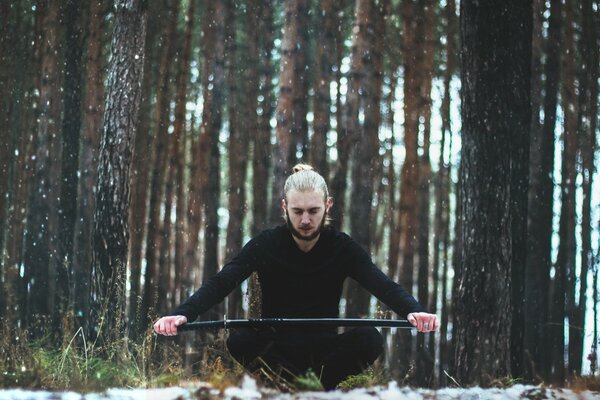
(211, 293)
(366, 273)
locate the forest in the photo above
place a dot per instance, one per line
(144, 142)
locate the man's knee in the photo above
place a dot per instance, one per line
(244, 344)
(370, 342)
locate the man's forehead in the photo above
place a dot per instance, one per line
(305, 199)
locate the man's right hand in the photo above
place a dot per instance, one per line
(168, 325)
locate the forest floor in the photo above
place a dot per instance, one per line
(248, 390)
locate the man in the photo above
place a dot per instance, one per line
(301, 268)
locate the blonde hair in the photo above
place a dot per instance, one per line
(304, 179)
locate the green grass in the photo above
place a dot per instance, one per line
(369, 378)
(77, 364)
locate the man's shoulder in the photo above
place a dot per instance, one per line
(338, 237)
(270, 235)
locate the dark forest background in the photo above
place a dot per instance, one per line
(143, 142)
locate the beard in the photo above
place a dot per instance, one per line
(297, 234)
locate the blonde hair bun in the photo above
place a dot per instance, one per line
(301, 167)
(304, 178)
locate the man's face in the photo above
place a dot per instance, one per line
(305, 213)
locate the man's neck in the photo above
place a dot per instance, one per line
(306, 245)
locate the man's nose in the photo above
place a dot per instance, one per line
(305, 218)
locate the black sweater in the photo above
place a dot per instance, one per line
(297, 284)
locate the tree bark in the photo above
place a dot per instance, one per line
(93, 110)
(587, 124)
(360, 98)
(284, 131)
(111, 231)
(425, 358)
(489, 215)
(178, 157)
(564, 282)
(409, 174)
(72, 123)
(325, 53)
(41, 236)
(261, 153)
(159, 168)
(211, 124)
(141, 165)
(240, 114)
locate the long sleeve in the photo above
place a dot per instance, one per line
(371, 278)
(219, 286)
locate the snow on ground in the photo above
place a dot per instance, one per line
(248, 390)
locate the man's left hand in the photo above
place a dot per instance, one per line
(424, 322)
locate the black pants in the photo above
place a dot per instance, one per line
(331, 356)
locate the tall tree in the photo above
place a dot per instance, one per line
(285, 150)
(299, 145)
(7, 38)
(490, 34)
(409, 174)
(142, 162)
(587, 123)
(324, 59)
(425, 362)
(21, 119)
(93, 110)
(238, 139)
(111, 231)
(71, 126)
(563, 297)
(159, 160)
(41, 235)
(537, 278)
(211, 126)
(360, 90)
(261, 153)
(442, 196)
(178, 156)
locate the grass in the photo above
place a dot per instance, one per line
(369, 378)
(77, 364)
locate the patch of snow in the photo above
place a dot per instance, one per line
(248, 390)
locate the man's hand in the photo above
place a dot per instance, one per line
(424, 322)
(168, 325)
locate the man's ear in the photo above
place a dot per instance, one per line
(328, 203)
(283, 205)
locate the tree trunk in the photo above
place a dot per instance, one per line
(71, 127)
(489, 211)
(178, 158)
(587, 121)
(537, 271)
(261, 157)
(564, 283)
(141, 163)
(442, 196)
(425, 360)
(409, 174)
(285, 145)
(344, 140)
(159, 168)
(88, 149)
(240, 114)
(211, 124)
(7, 86)
(24, 128)
(41, 235)
(299, 143)
(360, 98)
(111, 231)
(323, 77)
